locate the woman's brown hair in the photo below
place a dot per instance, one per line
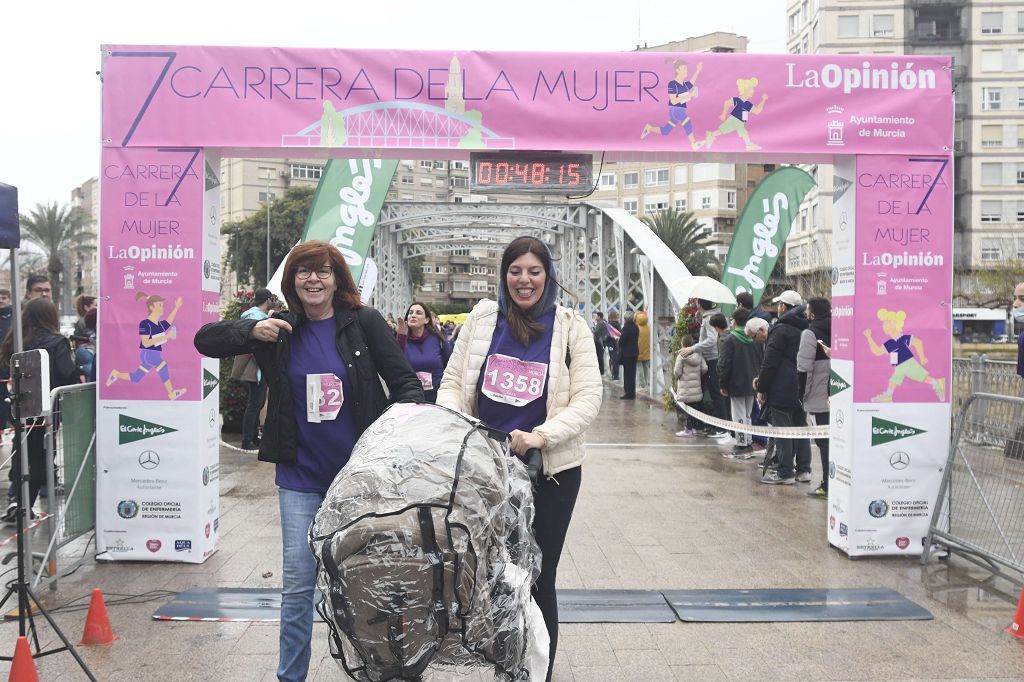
(82, 303)
(39, 315)
(429, 326)
(314, 255)
(521, 324)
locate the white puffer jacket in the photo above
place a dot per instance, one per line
(574, 391)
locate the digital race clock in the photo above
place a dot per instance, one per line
(553, 173)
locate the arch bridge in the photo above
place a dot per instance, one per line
(607, 258)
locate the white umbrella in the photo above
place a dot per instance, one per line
(699, 286)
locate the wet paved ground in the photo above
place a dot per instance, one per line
(654, 513)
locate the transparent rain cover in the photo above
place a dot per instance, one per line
(425, 552)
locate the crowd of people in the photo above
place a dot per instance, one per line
(71, 360)
(765, 365)
(522, 364)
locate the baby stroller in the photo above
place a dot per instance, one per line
(425, 552)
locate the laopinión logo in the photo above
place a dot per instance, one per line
(127, 509)
(885, 431)
(878, 508)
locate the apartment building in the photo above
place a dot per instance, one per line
(985, 41)
(84, 265)
(714, 192)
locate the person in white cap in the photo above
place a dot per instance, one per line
(778, 382)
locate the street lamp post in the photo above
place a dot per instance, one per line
(268, 228)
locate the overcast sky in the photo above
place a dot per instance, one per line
(50, 102)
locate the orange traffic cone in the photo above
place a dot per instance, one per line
(1017, 626)
(23, 669)
(97, 624)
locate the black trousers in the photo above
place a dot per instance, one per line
(251, 416)
(36, 460)
(599, 347)
(629, 377)
(553, 504)
(822, 419)
(717, 404)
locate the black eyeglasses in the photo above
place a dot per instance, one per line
(322, 273)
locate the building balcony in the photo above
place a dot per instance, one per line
(937, 3)
(930, 36)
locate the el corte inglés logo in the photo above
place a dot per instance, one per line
(836, 384)
(130, 429)
(885, 431)
(210, 381)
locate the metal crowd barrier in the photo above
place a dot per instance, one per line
(979, 514)
(979, 374)
(71, 452)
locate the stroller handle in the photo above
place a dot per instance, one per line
(534, 465)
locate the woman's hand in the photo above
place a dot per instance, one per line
(267, 330)
(526, 440)
(402, 326)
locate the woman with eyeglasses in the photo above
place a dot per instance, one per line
(323, 361)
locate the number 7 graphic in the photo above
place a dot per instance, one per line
(169, 56)
(942, 167)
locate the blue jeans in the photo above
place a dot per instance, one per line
(299, 577)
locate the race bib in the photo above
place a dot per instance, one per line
(426, 380)
(894, 358)
(324, 397)
(513, 381)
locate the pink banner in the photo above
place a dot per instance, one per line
(151, 254)
(623, 101)
(904, 257)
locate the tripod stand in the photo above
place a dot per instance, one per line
(30, 383)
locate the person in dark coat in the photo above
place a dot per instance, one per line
(600, 339)
(813, 368)
(330, 339)
(1017, 310)
(629, 351)
(40, 330)
(739, 361)
(778, 382)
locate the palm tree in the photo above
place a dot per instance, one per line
(686, 238)
(57, 231)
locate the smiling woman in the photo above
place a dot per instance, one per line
(323, 362)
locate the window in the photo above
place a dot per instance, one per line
(426, 286)
(656, 177)
(656, 205)
(1020, 248)
(630, 206)
(458, 183)
(681, 203)
(631, 180)
(814, 217)
(406, 179)
(440, 287)
(1020, 174)
(460, 286)
(406, 197)
(460, 252)
(681, 175)
(263, 197)
(702, 199)
(429, 165)
(991, 211)
(427, 269)
(991, 22)
(991, 60)
(1020, 211)
(803, 220)
(849, 26)
(793, 256)
(478, 286)
(794, 23)
(730, 199)
(305, 172)
(427, 181)
(439, 165)
(459, 165)
(991, 249)
(882, 26)
(991, 174)
(607, 181)
(992, 136)
(1020, 22)
(991, 99)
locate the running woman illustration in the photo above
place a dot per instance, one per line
(153, 334)
(680, 92)
(902, 349)
(742, 108)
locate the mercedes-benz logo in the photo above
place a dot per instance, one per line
(213, 418)
(148, 459)
(899, 461)
(840, 418)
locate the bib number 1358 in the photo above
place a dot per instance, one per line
(513, 381)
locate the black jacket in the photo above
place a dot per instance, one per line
(738, 364)
(629, 340)
(777, 379)
(63, 370)
(366, 346)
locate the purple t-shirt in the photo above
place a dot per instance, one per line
(148, 327)
(901, 347)
(321, 449)
(424, 355)
(509, 417)
(741, 109)
(677, 88)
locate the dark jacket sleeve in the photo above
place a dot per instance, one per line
(725, 359)
(65, 371)
(226, 338)
(772, 360)
(391, 363)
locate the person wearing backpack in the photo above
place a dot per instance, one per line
(425, 347)
(527, 366)
(329, 345)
